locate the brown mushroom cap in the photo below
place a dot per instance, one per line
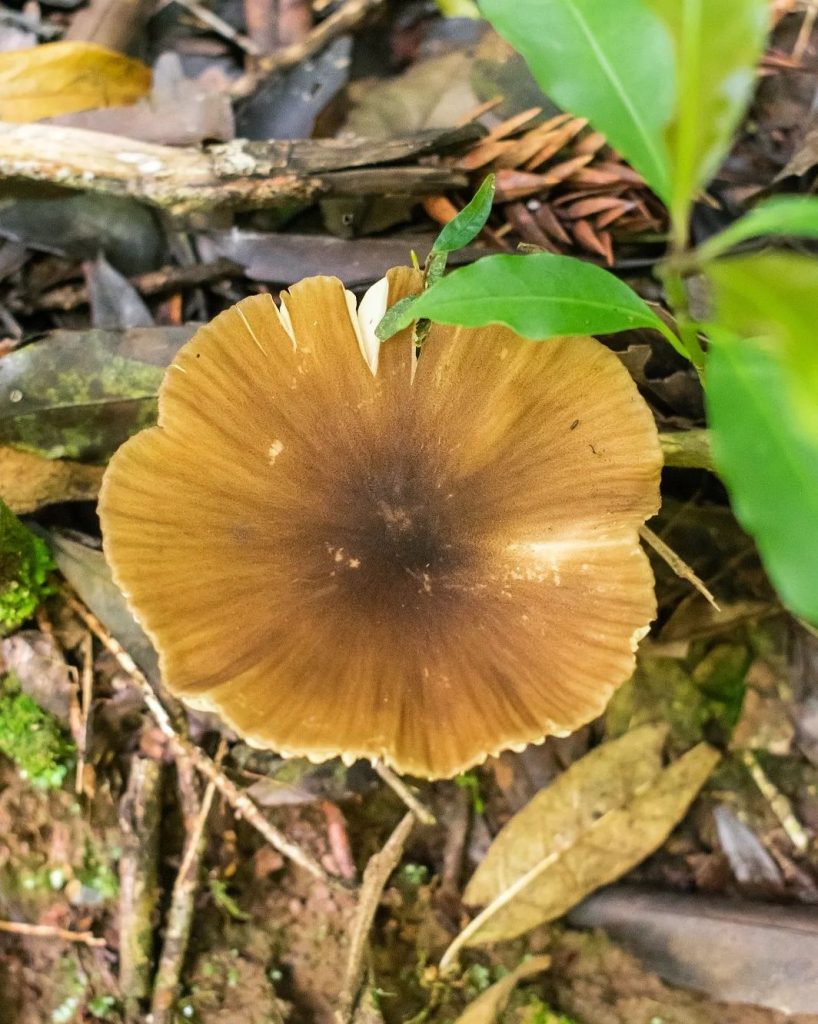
(425, 570)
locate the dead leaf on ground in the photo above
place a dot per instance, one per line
(41, 669)
(29, 482)
(59, 78)
(488, 1006)
(603, 816)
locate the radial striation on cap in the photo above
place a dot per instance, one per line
(345, 550)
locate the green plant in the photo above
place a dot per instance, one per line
(32, 738)
(668, 81)
(25, 563)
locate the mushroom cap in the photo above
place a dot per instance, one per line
(345, 550)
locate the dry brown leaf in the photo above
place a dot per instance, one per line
(488, 1006)
(600, 818)
(28, 482)
(64, 77)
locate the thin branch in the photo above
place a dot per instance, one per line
(180, 912)
(47, 931)
(183, 749)
(376, 875)
(397, 785)
(237, 175)
(677, 564)
(219, 25)
(687, 449)
(346, 18)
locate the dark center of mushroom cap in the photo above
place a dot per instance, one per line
(399, 545)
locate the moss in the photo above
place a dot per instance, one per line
(32, 738)
(25, 563)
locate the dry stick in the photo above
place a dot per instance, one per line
(397, 785)
(47, 931)
(180, 913)
(86, 692)
(779, 804)
(184, 750)
(376, 875)
(347, 17)
(219, 25)
(676, 563)
(237, 175)
(155, 282)
(139, 818)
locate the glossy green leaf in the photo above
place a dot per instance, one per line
(769, 461)
(717, 46)
(775, 294)
(467, 225)
(784, 215)
(610, 62)
(540, 296)
(763, 408)
(80, 394)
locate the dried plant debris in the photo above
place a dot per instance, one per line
(602, 816)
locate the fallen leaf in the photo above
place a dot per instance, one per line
(603, 816)
(488, 1006)
(87, 572)
(59, 78)
(29, 482)
(115, 303)
(80, 394)
(559, 815)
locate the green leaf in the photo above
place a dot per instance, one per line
(540, 296)
(396, 317)
(80, 394)
(610, 62)
(718, 45)
(468, 224)
(600, 818)
(784, 215)
(768, 459)
(775, 295)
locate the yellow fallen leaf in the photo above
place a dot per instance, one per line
(488, 1006)
(603, 816)
(28, 481)
(62, 78)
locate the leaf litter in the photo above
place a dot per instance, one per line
(651, 801)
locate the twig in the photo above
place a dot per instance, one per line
(47, 931)
(157, 282)
(86, 694)
(347, 17)
(677, 564)
(808, 24)
(236, 175)
(183, 749)
(395, 783)
(219, 25)
(376, 875)
(139, 818)
(180, 912)
(779, 804)
(687, 449)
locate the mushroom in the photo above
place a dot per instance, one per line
(343, 549)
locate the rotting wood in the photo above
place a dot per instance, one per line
(139, 816)
(237, 175)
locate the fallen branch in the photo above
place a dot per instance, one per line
(47, 931)
(184, 750)
(376, 875)
(237, 175)
(180, 912)
(139, 818)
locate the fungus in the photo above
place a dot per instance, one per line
(343, 549)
